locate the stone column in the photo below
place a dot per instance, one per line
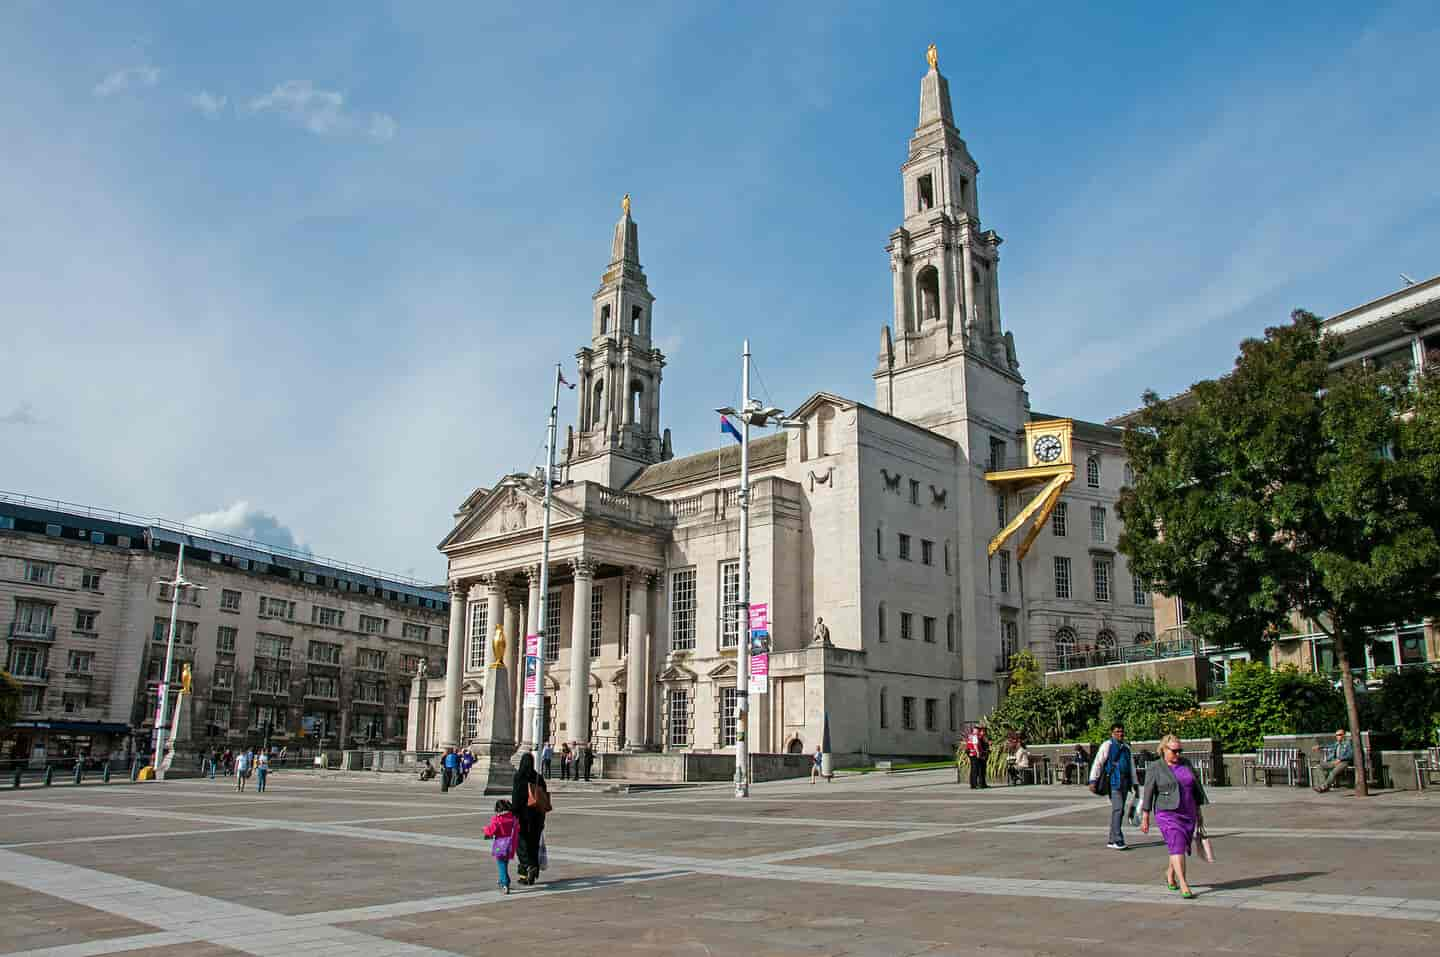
(945, 254)
(454, 665)
(494, 616)
(971, 313)
(515, 635)
(578, 727)
(637, 669)
(527, 730)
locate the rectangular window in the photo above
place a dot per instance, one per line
(552, 627)
(1004, 557)
(229, 600)
(932, 714)
(1058, 520)
(33, 699)
(415, 632)
(80, 661)
(879, 541)
(322, 686)
(223, 677)
(927, 629)
(679, 717)
(1002, 511)
(73, 701)
(997, 455)
(1097, 523)
(682, 609)
(218, 717)
(369, 659)
(225, 640)
(1062, 577)
(266, 717)
(907, 626)
(730, 604)
(479, 625)
(323, 652)
(267, 679)
(329, 617)
(1182, 614)
(373, 625)
(727, 717)
(470, 727)
(85, 620)
(907, 713)
(947, 558)
(40, 573)
(904, 547)
(277, 608)
(880, 622)
(597, 618)
(272, 646)
(927, 552)
(184, 631)
(90, 580)
(410, 664)
(1142, 594)
(370, 692)
(949, 632)
(1102, 569)
(165, 592)
(914, 492)
(27, 662)
(32, 618)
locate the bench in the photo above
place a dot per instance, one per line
(885, 766)
(1269, 761)
(1427, 764)
(1317, 773)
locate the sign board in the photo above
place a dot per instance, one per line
(759, 616)
(759, 674)
(532, 646)
(532, 677)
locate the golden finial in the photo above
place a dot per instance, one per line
(932, 57)
(497, 648)
(625, 204)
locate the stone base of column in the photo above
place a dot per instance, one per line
(495, 746)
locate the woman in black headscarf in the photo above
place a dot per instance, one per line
(532, 819)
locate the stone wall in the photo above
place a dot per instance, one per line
(1179, 672)
(682, 767)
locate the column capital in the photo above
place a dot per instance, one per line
(647, 574)
(459, 590)
(584, 567)
(532, 574)
(492, 582)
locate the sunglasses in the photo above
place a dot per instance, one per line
(1175, 750)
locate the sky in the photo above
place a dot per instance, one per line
(301, 271)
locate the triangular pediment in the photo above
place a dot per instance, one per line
(619, 679)
(513, 507)
(812, 404)
(676, 673)
(725, 669)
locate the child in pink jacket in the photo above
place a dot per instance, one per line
(502, 829)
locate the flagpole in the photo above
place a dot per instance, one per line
(539, 718)
(742, 656)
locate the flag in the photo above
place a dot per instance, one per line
(568, 385)
(726, 426)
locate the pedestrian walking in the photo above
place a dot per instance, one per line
(450, 769)
(502, 830)
(242, 770)
(547, 754)
(262, 771)
(566, 758)
(977, 746)
(530, 801)
(467, 761)
(1114, 773)
(1174, 793)
(214, 760)
(815, 764)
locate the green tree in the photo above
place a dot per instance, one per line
(1288, 488)
(9, 700)
(1408, 706)
(1037, 713)
(1024, 671)
(1260, 700)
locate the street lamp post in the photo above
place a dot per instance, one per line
(162, 717)
(752, 413)
(539, 719)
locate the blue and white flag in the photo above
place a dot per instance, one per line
(727, 427)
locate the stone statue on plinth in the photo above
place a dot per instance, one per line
(822, 633)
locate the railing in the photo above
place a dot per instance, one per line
(30, 633)
(614, 500)
(1124, 654)
(38, 674)
(690, 507)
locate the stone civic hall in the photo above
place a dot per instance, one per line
(873, 517)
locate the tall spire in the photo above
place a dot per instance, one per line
(934, 96)
(626, 246)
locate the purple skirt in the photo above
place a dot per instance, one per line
(1178, 829)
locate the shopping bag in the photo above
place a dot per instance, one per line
(544, 854)
(1203, 847)
(1134, 812)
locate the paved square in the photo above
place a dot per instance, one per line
(883, 865)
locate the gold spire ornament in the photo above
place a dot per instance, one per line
(625, 204)
(932, 57)
(497, 644)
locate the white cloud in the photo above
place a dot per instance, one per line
(121, 80)
(382, 127)
(245, 521)
(22, 414)
(322, 112)
(207, 102)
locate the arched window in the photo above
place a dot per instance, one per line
(1144, 638)
(880, 621)
(597, 405)
(950, 632)
(1105, 641)
(637, 395)
(884, 708)
(1064, 644)
(604, 320)
(825, 430)
(637, 313)
(1092, 471)
(927, 295)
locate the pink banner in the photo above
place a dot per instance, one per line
(759, 617)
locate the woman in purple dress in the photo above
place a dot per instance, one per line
(1174, 794)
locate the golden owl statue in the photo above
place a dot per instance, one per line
(497, 648)
(185, 679)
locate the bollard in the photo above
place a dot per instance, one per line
(15, 780)
(49, 773)
(105, 773)
(79, 772)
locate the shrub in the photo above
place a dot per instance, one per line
(1140, 704)
(1260, 701)
(1407, 705)
(1045, 713)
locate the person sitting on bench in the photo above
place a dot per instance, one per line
(1338, 757)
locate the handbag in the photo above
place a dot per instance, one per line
(504, 848)
(544, 855)
(539, 799)
(1203, 845)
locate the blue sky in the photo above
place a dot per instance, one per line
(301, 269)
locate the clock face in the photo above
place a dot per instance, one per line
(1047, 448)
